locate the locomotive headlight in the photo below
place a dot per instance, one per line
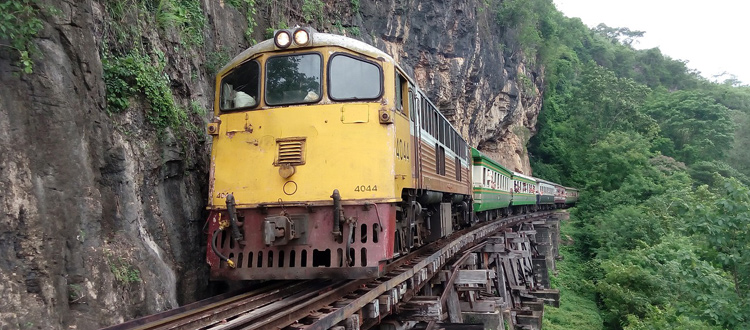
(301, 37)
(282, 39)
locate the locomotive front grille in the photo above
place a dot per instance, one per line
(291, 151)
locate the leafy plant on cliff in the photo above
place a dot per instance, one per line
(19, 24)
(216, 60)
(135, 74)
(312, 11)
(355, 6)
(123, 271)
(250, 9)
(129, 19)
(75, 293)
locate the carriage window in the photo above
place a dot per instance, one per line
(239, 89)
(412, 105)
(402, 103)
(443, 131)
(293, 79)
(458, 169)
(353, 79)
(399, 96)
(423, 114)
(453, 140)
(440, 159)
(435, 123)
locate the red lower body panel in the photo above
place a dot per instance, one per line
(315, 253)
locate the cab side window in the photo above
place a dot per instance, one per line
(240, 88)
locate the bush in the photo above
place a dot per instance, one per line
(19, 24)
(135, 74)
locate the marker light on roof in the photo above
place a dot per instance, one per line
(282, 39)
(301, 37)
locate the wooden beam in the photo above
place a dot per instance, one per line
(371, 310)
(385, 303)
(494, 248)
(421, 309)
(479, 276)
(454, 307)
(479, 306)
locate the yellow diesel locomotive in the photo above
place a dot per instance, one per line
(327, 160)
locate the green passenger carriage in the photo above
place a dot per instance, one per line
(524, 192)
(492, 183)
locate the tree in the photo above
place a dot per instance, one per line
(618, 34)
(604, 103)
(699, 128)
(726, 230)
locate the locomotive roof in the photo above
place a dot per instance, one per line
(318, 40)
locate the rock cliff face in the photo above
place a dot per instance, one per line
(454, 48)
(102, 216)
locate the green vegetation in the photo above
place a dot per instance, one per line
(529, 27)
(250, 10)
(185, 15)
(578, 309)
(75, 293)
(19, 24)
(353, 31)
(662, 229)
(270, 30)
(355, 5)
(123, 270)
(134, 74)
(134, 70)
(129, 20)
(312, 11)
(216, 60)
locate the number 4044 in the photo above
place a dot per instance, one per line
(364, 188)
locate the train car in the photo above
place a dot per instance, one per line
(492, 186)
(545, 195)
(559, 196)
(327, 160)
(571, 196)
(524, 193)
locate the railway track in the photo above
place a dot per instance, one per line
(327, 304)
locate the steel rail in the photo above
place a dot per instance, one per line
(280, 310)
(205, 312)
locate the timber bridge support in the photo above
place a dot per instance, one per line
(502, 282)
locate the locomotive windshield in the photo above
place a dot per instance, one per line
(240, 88)
(353, 79)
(293, 79)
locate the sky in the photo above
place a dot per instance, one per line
(712, 36)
